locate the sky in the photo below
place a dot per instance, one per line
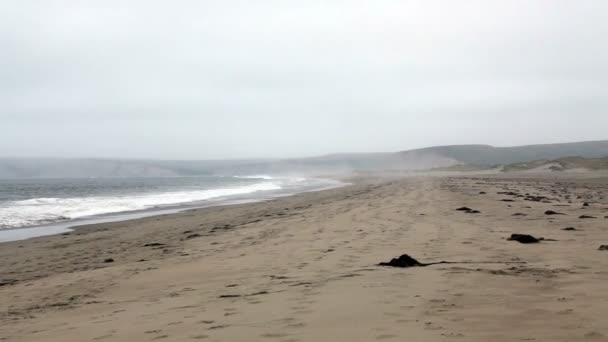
(248, 79)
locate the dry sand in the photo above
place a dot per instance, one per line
(304, 269)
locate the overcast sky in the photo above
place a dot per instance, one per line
(241, 79)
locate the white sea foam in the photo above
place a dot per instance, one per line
(266, 177)
(38, 211)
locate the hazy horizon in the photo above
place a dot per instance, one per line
(281, 79)
(283, 158)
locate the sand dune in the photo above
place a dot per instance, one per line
(304, 268)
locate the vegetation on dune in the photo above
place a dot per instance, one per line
(562, 164)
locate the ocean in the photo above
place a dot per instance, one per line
(49, 202)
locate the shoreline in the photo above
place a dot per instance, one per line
(303, 268)
(60, 227)
(138, 232)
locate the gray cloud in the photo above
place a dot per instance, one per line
(226, 79)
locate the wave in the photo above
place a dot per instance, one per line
(266, 177)
(39, 211)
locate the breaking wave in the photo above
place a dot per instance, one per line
(37, 211)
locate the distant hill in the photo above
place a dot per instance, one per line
(11, 168)
(485, 155)
(79, 168)
(465, 157)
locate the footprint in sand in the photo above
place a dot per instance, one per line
(217, 327)
(385, 337)
(103, 337)
(274, 335)
(152, 331)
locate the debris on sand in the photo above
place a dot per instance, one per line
(585, 204)
(569, 228)
(468, 210)
(482, 192)
(5, 282)
(603, 248)
(551, 212)
(524, 238)
(507, 200)
(403, 261)
(108, 260)
(406, 261)
(586, 217)
(535, 198)
(519, 214)
(246, 295)
(154, 244)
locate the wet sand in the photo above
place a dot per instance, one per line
(304, 268)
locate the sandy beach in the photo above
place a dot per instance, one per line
(304, 268)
